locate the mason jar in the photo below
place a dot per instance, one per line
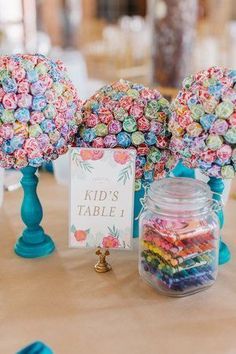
(179, 237)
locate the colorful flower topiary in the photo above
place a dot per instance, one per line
(39, 110)
(126, 115)
(203, 122)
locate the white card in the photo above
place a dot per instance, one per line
(101, 197)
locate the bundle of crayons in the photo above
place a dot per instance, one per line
(178, 261)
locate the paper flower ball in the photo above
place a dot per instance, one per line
(39, 110)
(126, 115)
(203, 122)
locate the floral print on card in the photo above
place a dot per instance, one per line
(101, 197)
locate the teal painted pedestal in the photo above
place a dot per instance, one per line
(217, 187)
(182, 171)
(34, 242)
(138, 205)
(36, 348)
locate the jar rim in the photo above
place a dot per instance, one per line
(177, 195)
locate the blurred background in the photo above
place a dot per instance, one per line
(155, 42)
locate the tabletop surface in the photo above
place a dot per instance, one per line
(62, 301)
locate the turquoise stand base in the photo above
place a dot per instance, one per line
(34, 242)
(138, 205)
(36, 348)
(28, 250)
(224, 254)
(217, 187)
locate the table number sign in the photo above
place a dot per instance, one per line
(101, 197)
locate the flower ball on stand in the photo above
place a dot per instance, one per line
(39, 116)
(125, 115)
(203, 127)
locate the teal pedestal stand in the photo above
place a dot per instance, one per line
(34, 242)
(138, 206)
(182, 171)
(217, 187)
(36, 348)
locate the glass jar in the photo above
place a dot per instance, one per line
(179, 237)
(173, 24)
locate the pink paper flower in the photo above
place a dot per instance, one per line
(80, 235)
(121, 157)
(97, 155)
(86, 154)
(110, 242)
